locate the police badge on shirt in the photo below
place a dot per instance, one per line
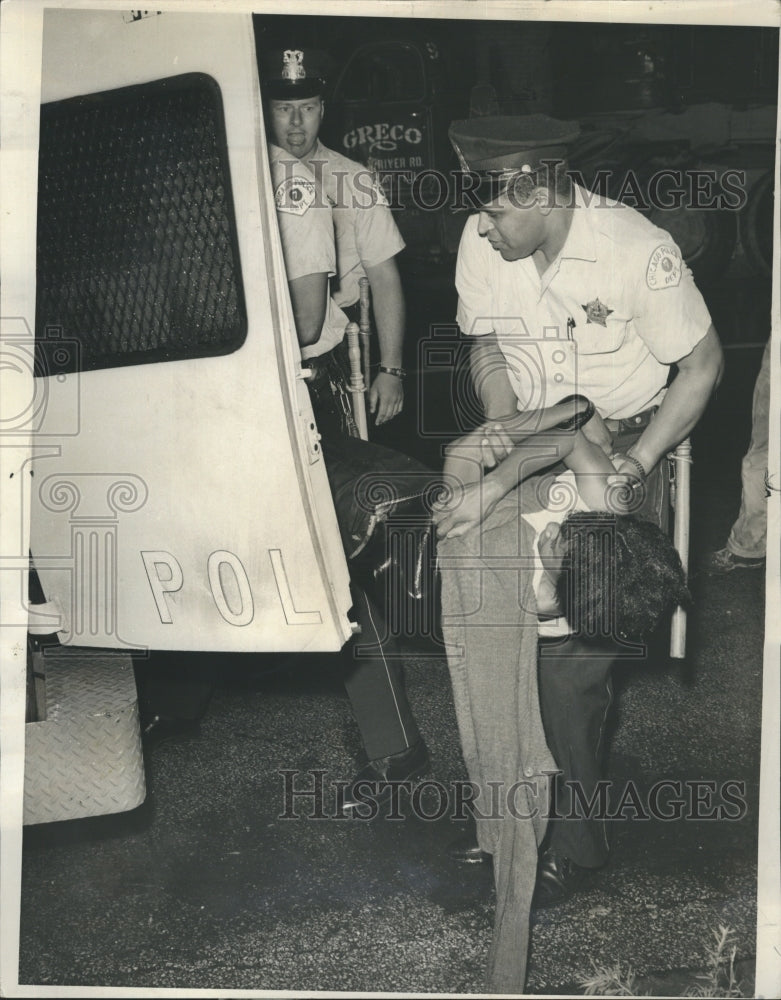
(294, 195)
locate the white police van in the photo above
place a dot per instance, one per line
(176, 491)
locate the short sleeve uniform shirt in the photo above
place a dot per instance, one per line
(366, 234)
(612, 312)
(306, 229)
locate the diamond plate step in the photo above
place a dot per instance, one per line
(85, 758)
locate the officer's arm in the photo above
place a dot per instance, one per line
(386, 395)
(308, 295)
(489, 374)
(699, 373)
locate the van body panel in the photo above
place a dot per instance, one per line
(184, 504)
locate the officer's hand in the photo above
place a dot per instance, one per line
(626, 486)
(386, 397)
(495, 444)
(466, 509)
(598, 434)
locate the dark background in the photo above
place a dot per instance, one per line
(563, 68)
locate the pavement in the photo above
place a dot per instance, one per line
(206, 885)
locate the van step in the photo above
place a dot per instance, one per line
(85, 757)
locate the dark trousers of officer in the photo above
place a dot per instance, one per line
(373, 666)
(374, 681)
(575, 697)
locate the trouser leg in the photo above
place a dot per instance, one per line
(174, 685)
(749, 533)
(374, 680)
(575, 696)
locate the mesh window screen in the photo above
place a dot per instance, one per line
(137, 254)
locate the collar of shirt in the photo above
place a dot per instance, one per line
(580, 243)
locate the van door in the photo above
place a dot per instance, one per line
(179, 498)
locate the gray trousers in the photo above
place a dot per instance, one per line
(489, 623)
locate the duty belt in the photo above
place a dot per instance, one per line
(636, 423)
(323, 366)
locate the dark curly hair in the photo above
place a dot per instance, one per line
(621, 575)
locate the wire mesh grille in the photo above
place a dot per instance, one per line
(137, 253)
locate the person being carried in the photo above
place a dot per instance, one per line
(604, 576)
(626, 598)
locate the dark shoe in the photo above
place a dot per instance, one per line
(465, 850)
(373, 781)
(724, 561)
(557, 879)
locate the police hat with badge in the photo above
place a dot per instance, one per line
(498, 149)
(293, 74)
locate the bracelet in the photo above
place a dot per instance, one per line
(576, 422)
(641, 473)
(398, 372)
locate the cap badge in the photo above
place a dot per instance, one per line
(596, 312)
(293, 65)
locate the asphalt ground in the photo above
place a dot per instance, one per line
(206, 886)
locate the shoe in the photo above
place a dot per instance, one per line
(465, 850)
(557, 879)
(375, 778)
(724, 561)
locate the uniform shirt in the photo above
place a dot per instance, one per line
(623, 282)
(306, 230)
(366, 234)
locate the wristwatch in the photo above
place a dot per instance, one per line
(398, 372)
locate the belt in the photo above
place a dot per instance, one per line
(636, 423)
(352, 312)
(322, 366)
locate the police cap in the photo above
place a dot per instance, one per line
(500, 147)
(293, 74)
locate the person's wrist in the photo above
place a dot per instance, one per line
(492, 490)
(395, 370)
(638, 465)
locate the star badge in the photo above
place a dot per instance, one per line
(596, 312)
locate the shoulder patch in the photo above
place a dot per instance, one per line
(294, 195)
(664, 267)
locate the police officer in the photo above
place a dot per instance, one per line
(367, 239)
(564, 292)
(373, 679)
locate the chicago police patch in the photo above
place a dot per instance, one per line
(294, 195)
(664, 268)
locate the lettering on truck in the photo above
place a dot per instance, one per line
(382, 137)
